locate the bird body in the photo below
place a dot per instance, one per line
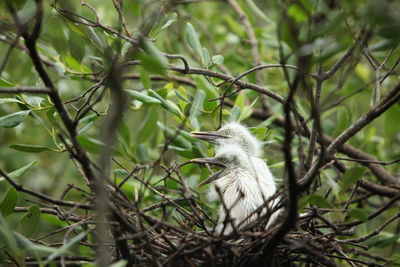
(246, 183)
(263, 173)
(240, 197)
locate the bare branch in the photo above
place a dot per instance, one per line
(24, 89)
(19, 187)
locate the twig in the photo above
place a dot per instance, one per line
(24, 89)
(373, 233)
(19, 187)
(344, 58)
(370, 161)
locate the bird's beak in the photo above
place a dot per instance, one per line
(212, 178)
(212, 161)
(208, 136)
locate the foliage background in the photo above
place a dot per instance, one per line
(160, 101)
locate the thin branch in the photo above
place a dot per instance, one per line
(24, 89)
(316, 113)
(30, 42)
(255, 53)
(225, 77)
(373, 233)
(344, 58)
(380, 189)
(392, 98)
(118, 7)
(370, 161)
(19, 187)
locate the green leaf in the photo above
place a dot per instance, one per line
(148, 126)
(91, 144)
(384, 45)
(34, 100)
(235, 26)
(319, 201)
(170, 19)
(287, 34)
(30, 221)
(193, 40)
(391, 118)
(280, 164)
(163, 24)
(175, 136)
(31, 148)
(14, 119)
(247, 110)
(259, 132)
(358, 214)
(124, 132)
(20, 171)
(240, 101)
(143, 97)
(65, 248)
(186, 153)
(329, 179)
(27, 11)
(72, 63)
(91, 34)
(145, 78)
(121, 173)
(85, 123)
(390, 31)
(297, 13)
(206, 58)
(203, 83)
(9, 100)
(186, 135)
(351, 176)
(126, 47)
(151, 64)
(256, 10)
(35, 249)
(380, 241)
(235, 113)
(180, 95)
(363, 72)
(4, 83)
(143, 153)
(152, 60)
(395, 259)
(9, 202)
(6, 237)
(196, 108)
(217, 60)
(167, 104)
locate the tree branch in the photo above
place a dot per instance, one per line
(24, 89)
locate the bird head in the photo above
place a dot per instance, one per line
(232, 133)
(230, 157)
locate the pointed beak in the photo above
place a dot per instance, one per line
(212, 161)
(208, 136)
(212, 178)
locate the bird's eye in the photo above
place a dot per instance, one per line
(224, 160)
(227, 131)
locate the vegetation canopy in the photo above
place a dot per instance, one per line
(98, 99)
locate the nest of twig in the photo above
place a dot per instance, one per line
(190, 240)
(167, 244)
